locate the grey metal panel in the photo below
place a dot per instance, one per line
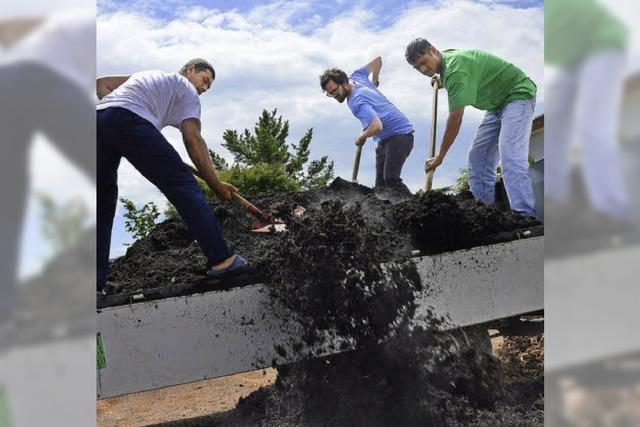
(485, 283)
(178, 340)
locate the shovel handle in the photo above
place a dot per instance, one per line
(356, 164)
(250, 207)
(432, 145)
(253, 209)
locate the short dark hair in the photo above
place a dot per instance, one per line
(338, 76)
(200, 65)
(415, 49)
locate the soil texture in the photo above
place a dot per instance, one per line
(432, 222)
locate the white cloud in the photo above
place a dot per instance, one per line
(262, 61)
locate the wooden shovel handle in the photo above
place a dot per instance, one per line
(247, 205)
(432, 145)
(250, 207)
(356, 164)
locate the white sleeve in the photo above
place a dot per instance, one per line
(187, 104)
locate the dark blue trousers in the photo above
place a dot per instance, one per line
(391, 153)
(121, 133)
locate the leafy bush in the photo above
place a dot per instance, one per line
(265, 163)
(139, 222)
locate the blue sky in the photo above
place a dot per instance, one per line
(386, 10)
(269, 55)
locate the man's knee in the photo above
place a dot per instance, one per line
(474, 173)
(515, 166)
(476, 156)
(393, 181)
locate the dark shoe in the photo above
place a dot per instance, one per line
(237, 263)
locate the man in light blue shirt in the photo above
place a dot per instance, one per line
(380, 119)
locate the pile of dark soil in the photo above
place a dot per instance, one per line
(520, 402)
(376, 390)
(438, 222)
(433, 222)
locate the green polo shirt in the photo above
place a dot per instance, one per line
(576, 29)
(482, 80)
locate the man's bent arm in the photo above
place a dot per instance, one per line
(106, 85)
(451, 131)
(374, 67)
(374, 128)
(198, 152)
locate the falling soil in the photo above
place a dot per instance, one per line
(328, 269)
(521, 401)
(402, 370)
(344, 270)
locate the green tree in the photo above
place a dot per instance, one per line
(139, 222)
(319, 173)
(462, 180)
(266, 163)
(170, 211)
(258, 179)
(62, 223)
(219, 163)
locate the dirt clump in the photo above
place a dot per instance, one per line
(439, 222)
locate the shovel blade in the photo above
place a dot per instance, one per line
(277, 228)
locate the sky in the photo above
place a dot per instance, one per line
(270, 54)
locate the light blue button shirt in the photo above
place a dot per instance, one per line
(367, 102)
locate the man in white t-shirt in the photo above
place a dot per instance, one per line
(132, 110)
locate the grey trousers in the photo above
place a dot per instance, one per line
(391, 154)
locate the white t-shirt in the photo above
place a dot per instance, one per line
(165, 99)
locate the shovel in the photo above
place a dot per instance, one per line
(434, 121)
(356, 164)
(263, 223)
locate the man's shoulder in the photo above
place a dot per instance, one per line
(459, 56)
(360, 75)
(177, 81)
(459, 62)
(361, 94)
(469, 56)
(159, 76)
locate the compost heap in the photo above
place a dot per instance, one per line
(344, 270)
(433, 223)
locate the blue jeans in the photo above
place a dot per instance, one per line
(122, 133)
(504, 136)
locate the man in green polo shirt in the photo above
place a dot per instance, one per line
(486, 82)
